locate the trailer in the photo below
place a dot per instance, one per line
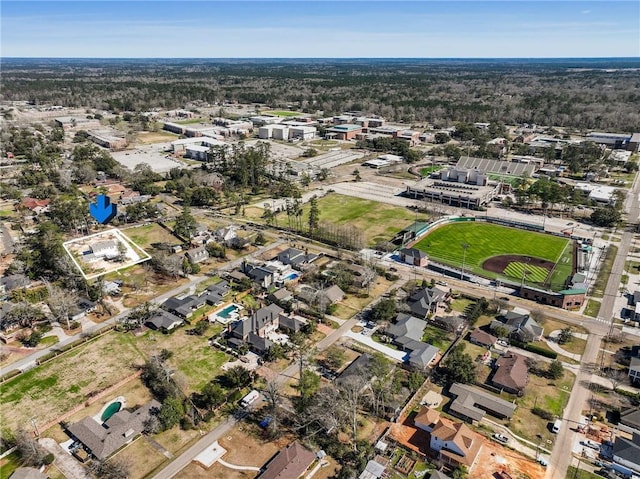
(249, 398)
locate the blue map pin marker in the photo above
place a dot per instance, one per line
(102, 210)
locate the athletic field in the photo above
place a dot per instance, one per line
(500, 252)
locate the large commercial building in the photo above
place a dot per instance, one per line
(456, 187)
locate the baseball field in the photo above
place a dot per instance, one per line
(498, 251)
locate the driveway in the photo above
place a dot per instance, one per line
(368, 341)
(552, 342)
(67, 464)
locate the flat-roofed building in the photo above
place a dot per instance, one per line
(344, 131)
(76, 122)
(614, 140)
(107, 139)
(453, 193)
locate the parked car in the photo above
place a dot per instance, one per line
(593, 445)
(502, 342)
(543, 462)
(501, 437)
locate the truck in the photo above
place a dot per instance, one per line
(556, 426)
(249, 398)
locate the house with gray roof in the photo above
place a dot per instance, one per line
(290, 323)
(626, 452)
(519, 326)
(333, 294)
(197, 255)
(425, 301)
(102, 440)
(28, 473)
(253, 331)
(407, 333)
(163, 321)
(263, 275)
(407, 328)
(630, 421)
(296, 258)
(472, 403)
(421, 355)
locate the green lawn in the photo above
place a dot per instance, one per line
(437, 337)
(284, 113)
(377, 221)
(485, 240)
(593, 308)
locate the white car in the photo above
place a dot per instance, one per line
(501, 437)
(502, 342)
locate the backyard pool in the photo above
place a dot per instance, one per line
(290, 277)
(109, 409)
(227, 314)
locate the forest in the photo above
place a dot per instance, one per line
(581, 94)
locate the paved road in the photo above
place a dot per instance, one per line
(578, 400)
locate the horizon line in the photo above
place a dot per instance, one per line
(322, 58)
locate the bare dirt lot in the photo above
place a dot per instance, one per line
(494, 458)
(244, 448)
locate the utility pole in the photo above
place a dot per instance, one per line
(465, 246)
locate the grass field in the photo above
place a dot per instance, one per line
(378, 221)
(486, 240)
(284, 113)
(149, 137)
(59, 385)
(146, 235)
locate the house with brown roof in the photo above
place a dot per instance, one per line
(482, 338)
(290, 463)
(36, 205)
(426, 419)
(512, 373)
(455, 443)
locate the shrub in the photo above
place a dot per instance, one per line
(48, 459)
(542, 413)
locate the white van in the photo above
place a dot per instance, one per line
(249, 398)
(556, 426)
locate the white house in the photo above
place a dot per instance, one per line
(107, 249)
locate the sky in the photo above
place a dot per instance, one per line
(320, 29)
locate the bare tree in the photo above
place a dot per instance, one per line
(63, 304)
(274, 400)
(351, 390)
(31, 452)
(616, 376)
(113, 469)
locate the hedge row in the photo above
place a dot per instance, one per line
(535, 349)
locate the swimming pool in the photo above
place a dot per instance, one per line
(110, 410)
(291, 276)
(228, 313)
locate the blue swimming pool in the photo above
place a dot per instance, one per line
(291, 277)
(227, 311)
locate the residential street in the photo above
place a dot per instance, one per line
(578, 401)
(29, 362)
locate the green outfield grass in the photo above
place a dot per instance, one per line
(486, 240)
